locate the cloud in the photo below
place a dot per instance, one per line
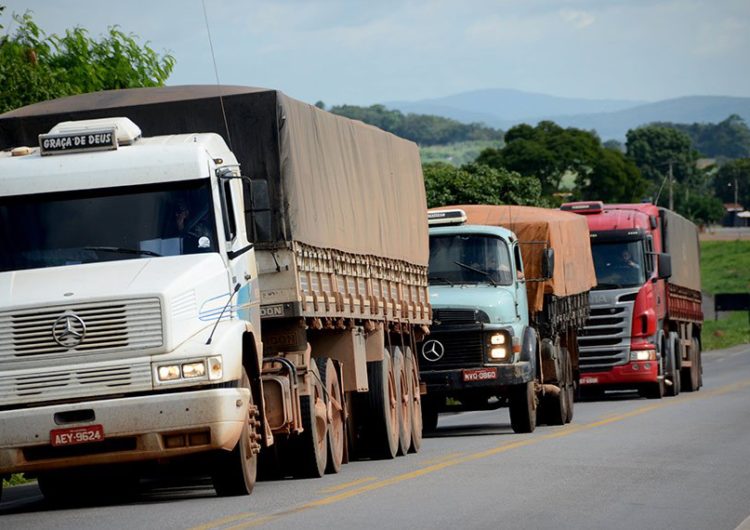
(578, 19)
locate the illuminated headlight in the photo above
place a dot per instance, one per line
(643, 355)
(169, 373)
(192, 370)
(498, 354)
(215, 369)
(497, 338)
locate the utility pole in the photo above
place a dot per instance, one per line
(671, 179)
(735, 191)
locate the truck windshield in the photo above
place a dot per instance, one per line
(88, 226)
(456, 259)
(619, 264)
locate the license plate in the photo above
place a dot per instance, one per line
(76, 435)
(480, 374)
(589, 380)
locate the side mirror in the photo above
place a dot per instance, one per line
(548, 263)
(665, 266)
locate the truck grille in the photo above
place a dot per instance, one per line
(605, 340)
(36, 386)
(109, 326)
(459, 316)
(461, 350)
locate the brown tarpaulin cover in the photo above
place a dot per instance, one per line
(680, 239)
(567, 233)
(334, 182)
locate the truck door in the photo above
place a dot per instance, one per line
(522, 306)
(240, 253)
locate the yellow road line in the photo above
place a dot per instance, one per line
(229, 519)
(346, 485)
(450, 462)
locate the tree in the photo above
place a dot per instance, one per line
(546, 151)
(733, 181)
(479, 184)
(727, 139)
(320, 105)
(36, 67)
(655, 148)
(613, 178)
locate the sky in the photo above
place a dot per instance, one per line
(366, 52)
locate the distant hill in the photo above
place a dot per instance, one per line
(504, 108)
(499, 107)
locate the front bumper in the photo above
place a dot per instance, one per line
(447, 381)
(627, 375)
(135, 429)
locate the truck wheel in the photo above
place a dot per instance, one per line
(401, 377)
(415, 397)
(569, 386)
(691, 374)
(652, 390)
(335, 414)
(234, 472)
(430, 414)
(671, 371)
(523, 407)
(310, 448)
(555, 408)
(383, 409)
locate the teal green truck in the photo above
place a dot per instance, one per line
(509, 291)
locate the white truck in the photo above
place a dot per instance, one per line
(164, 296)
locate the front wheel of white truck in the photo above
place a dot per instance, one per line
(234, 472)
(523, 407)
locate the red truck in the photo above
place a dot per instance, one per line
(644, 330)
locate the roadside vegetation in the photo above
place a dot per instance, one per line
(725, 268)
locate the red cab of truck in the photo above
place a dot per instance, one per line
(645, 324)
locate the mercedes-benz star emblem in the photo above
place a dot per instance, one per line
(69, 330)
(433, 350)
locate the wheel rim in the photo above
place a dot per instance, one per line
(416, 397)
(393, 403)
(335, 413)
(405, 402)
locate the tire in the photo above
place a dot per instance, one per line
(234, 472)
(429, 415)
(652, 390)
(570, 386)
(383, 435)
(401, 378)
(310, 448)
(671, 371)
(412, 371)
(691, 376)
(523, 407)
(335, 414)
(555, 408)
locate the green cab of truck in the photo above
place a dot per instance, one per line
(480, 314)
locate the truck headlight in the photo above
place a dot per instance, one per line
(169, 372)
(643, 355)
(497, 338)
(192, 370)
(499, 354)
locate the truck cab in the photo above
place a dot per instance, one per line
(480, 315)
(128, 294)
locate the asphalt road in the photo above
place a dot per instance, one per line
(624, 462)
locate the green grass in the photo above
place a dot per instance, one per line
(15, 480)
(729, 331)
(458, 154)
(725, 268)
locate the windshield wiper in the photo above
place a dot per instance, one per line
(480, 271)
(440, 279)
(124, 251)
